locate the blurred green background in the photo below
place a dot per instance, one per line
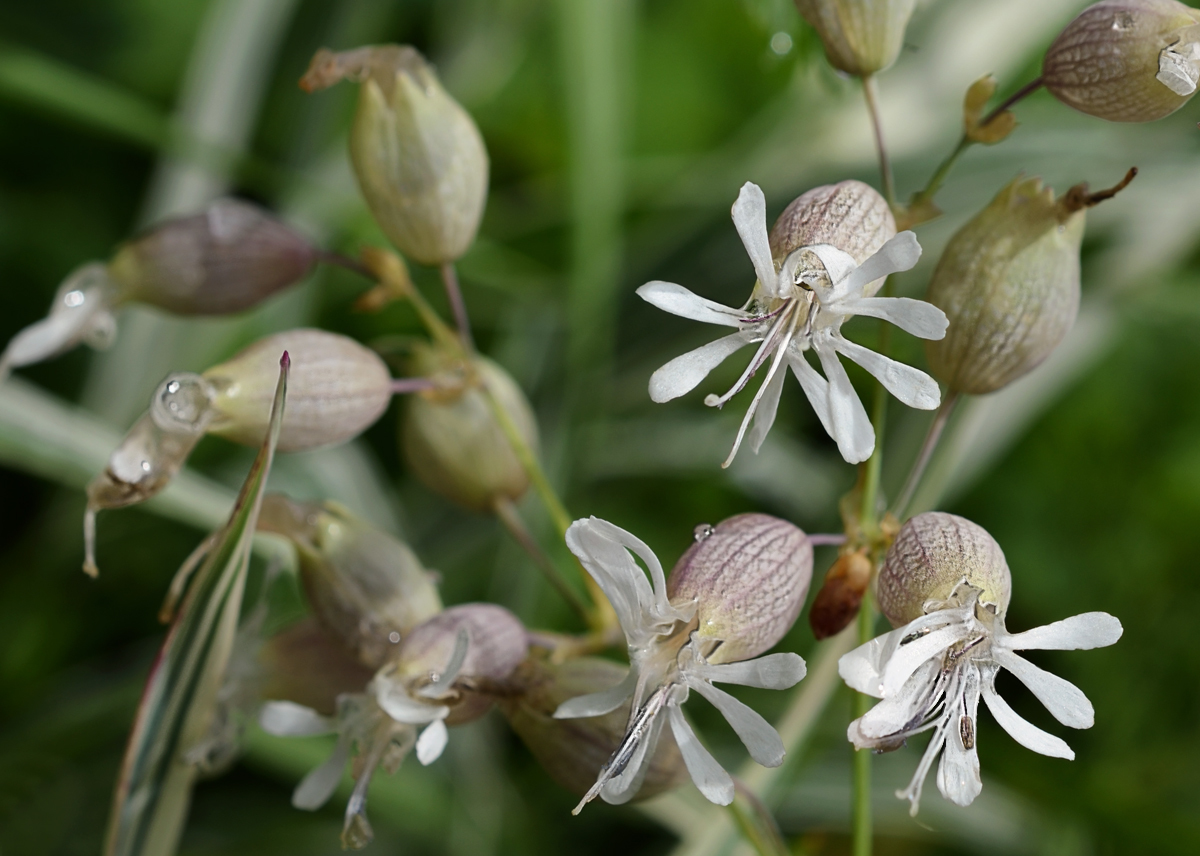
(619, 134)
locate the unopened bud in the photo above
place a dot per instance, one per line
(572, 751)
(450, 434)
(419, 158)
(304, 665)
(227, 258)
(1009, 283)
(749, 576)
(366, 587)
(932, 554)
(860, 37)
(839, 599)
(496, 644)
(1126, 60)
(849, 215)
(336, 390)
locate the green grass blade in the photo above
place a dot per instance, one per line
(178, 703)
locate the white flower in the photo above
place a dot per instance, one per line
(932, 672)
(667, 661)
(792, 311)
(381, 723)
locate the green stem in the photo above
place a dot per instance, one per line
(871, 94)
(926, 453)
(457, 305)
(930, 190)
(862, 757)
(511, 518)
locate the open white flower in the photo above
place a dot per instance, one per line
(801, 305)
(931, 673)
(382, 724)
(670, 653)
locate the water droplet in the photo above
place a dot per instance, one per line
(73, 298)
(781, 43)
(702, 531)
(394, 637)
(145, 466)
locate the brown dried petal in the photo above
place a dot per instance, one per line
(839, 599)
(934, 552)
(749, 578)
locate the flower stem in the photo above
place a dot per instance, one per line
(457, 305)
(925, 195)
(871, 94)
(1026, 90)
(511, 518)
(861, 812)
(926, 453)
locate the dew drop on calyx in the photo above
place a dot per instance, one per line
(394, 637)
(182, 403)
(702, 531)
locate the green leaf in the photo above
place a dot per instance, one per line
(180, 697)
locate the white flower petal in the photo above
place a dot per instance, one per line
(1062, 698)
(1023, 731)
(913, 792)
(600, 703)
(598, 546)
(401, 707)
(431, 742)
(318, 786)
(682, 374)
(911, 386)
(958, 774)
(762, 741)
(678, 300)
(862, 668)
(462, 643)
(903, 712)
(772, 672)
(750, 219)
(899, 254)
(1178, 69)
(851, 426)
(709, 776)
(921, 319)
(764, 416)
(1078, 633)
(624, 786)
(815, 387)
(288, 719)
(908, 657)
(839, 264)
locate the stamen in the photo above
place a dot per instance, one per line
(639, 726)
(780, 351)
(966, 730)
(759, 358)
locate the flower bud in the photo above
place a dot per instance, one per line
(418, 156)
(304, 665)
(367, 588)
(572, 751)
(496, 644)
(225, 259)
(849, 215)
(1009, 283)
(749, 577)
(153, 451)
(932, 554)
(450, 435)
(860, 37)
(1126, 60)
(837, 603)
(336, 390)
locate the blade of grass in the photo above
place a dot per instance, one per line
(154, 789)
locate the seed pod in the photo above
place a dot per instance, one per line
(849, 215)
(367, 588)
(749, 577)
(152, 452)
(304, 665)
(1126, 60)
(860, 37)
(227, 258)
(496, 644)
(1009, 283)
(450, 435)
(337, 389)
(419, 158)
(572, 751)
(839, 599)
(932, 554)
